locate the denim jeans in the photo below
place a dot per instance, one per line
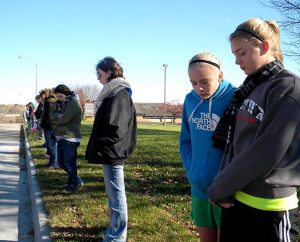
(67, 160)
(115, 190)
(40, 129)
(51, 147)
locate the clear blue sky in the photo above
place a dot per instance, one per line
(66, 38)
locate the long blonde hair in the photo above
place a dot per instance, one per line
(258, 30)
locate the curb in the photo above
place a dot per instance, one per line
(40, 219)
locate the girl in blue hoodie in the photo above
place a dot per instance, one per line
(202, 110)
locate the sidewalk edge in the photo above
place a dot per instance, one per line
(39, 215)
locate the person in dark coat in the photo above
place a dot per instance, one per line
(38, 114)
(112, 140)
(47, 124)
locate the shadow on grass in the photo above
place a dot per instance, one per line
(92, 234)
(55, 181)
(174, 185)
(155, 166)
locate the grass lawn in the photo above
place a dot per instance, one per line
(158, 193)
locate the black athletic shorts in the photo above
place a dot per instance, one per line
(242, 223)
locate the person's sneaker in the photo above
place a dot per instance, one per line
(53, 167)
(47, 156)
(80, 185)
(68, 191)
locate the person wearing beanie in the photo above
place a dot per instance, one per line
(67, 116)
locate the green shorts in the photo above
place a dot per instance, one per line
(204, 214)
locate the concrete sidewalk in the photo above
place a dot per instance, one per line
(22, 217)
(12, 188)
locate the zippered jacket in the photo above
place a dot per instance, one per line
(67, 121)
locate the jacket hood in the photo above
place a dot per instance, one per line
(224, 89)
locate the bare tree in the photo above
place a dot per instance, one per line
(290, 23)
(86, 94)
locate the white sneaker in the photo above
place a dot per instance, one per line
(80, 185)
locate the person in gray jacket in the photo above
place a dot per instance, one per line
(259, 134)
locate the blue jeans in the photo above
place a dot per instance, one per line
(51, 146)
(40, 129)
(115, 190)
(67, 160)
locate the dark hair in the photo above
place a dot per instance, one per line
(110, 64)
(61, 88)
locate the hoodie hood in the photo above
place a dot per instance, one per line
(225, 88)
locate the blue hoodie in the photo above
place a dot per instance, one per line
(199, 119)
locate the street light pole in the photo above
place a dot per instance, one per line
(165, 89)
(36, 75)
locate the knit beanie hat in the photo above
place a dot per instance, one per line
(62, 89)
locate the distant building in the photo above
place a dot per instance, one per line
(152, 112)
(146, 112)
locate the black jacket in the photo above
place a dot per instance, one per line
(46, 122)
(113, 136)
(39, 111)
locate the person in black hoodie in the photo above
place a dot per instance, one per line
(112, 140)
(260, 136)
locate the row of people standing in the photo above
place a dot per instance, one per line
(33, 114)
(112, 139)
